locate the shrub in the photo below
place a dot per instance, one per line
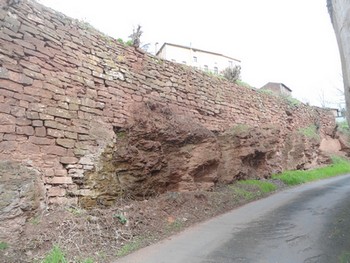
(232, 74)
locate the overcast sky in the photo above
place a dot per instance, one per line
(288, 41)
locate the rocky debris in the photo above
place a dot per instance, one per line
(160, 151)
(21, 198)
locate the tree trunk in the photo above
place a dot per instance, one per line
(339, 11)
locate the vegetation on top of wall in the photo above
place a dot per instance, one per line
(291, 101)
(232, 74)
(127, 43)
(241, 83)
(267, 92)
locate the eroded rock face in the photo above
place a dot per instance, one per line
(161, 151)
(21, 198)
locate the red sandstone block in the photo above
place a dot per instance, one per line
(40, 131)
(10, 85)
(23, 121)
(32, 115)
(43, 116)
(70, 135)
(49, 172)
(26, 130)
(20, 78)
(60, 172)
(57, 112)
(56, 191)
(66, 143)
(37, 123)
(8, 146)
(55, 150)
(7, 128)
(33, 74)
(68, 160)
(5, 108)
(24, 43)
(41, 140)
(18, 111)
(24, 104)
(61, 180)
(28, 148)
(9, 137)
(7, 119)
(55, 133)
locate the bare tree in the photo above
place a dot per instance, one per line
(136, 36)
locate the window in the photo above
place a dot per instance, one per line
(216, 71)
(205, 68)
(194, 59)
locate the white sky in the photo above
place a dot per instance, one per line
(288, 41)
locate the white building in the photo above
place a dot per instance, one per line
(197, 58)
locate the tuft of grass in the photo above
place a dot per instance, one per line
(243, 84)
(338, 167)
(265, 187)
(242, 193)
(3, 245)
(292, 101)
(55, 255)
(129, 247)
(310, 132)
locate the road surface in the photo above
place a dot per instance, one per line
(309, 223)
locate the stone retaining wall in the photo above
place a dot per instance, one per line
(65, 87)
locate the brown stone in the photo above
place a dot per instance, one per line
(60, 172)
(40, 131)
(29, 148)
(41, 140)
(61, 180)
(6, 119)
(54, 149)
(67, 143)
(37, 123)
(55, 133)
(7, 128)
(8, 146)
(57, 112)
(56, 191)
(22, 121)
(10, 85)
(68, 160)
(26, 130)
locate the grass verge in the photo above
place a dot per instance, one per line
(338, 167)
(56, 255)
(264, 187)
(129, 247)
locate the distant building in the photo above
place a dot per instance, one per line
(277, 88)
(197, 58)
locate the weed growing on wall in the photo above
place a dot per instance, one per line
(292, 101)
(310, 132)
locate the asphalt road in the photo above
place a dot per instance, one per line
(309, 223)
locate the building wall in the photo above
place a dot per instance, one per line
(205, 61)
(65, 88)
